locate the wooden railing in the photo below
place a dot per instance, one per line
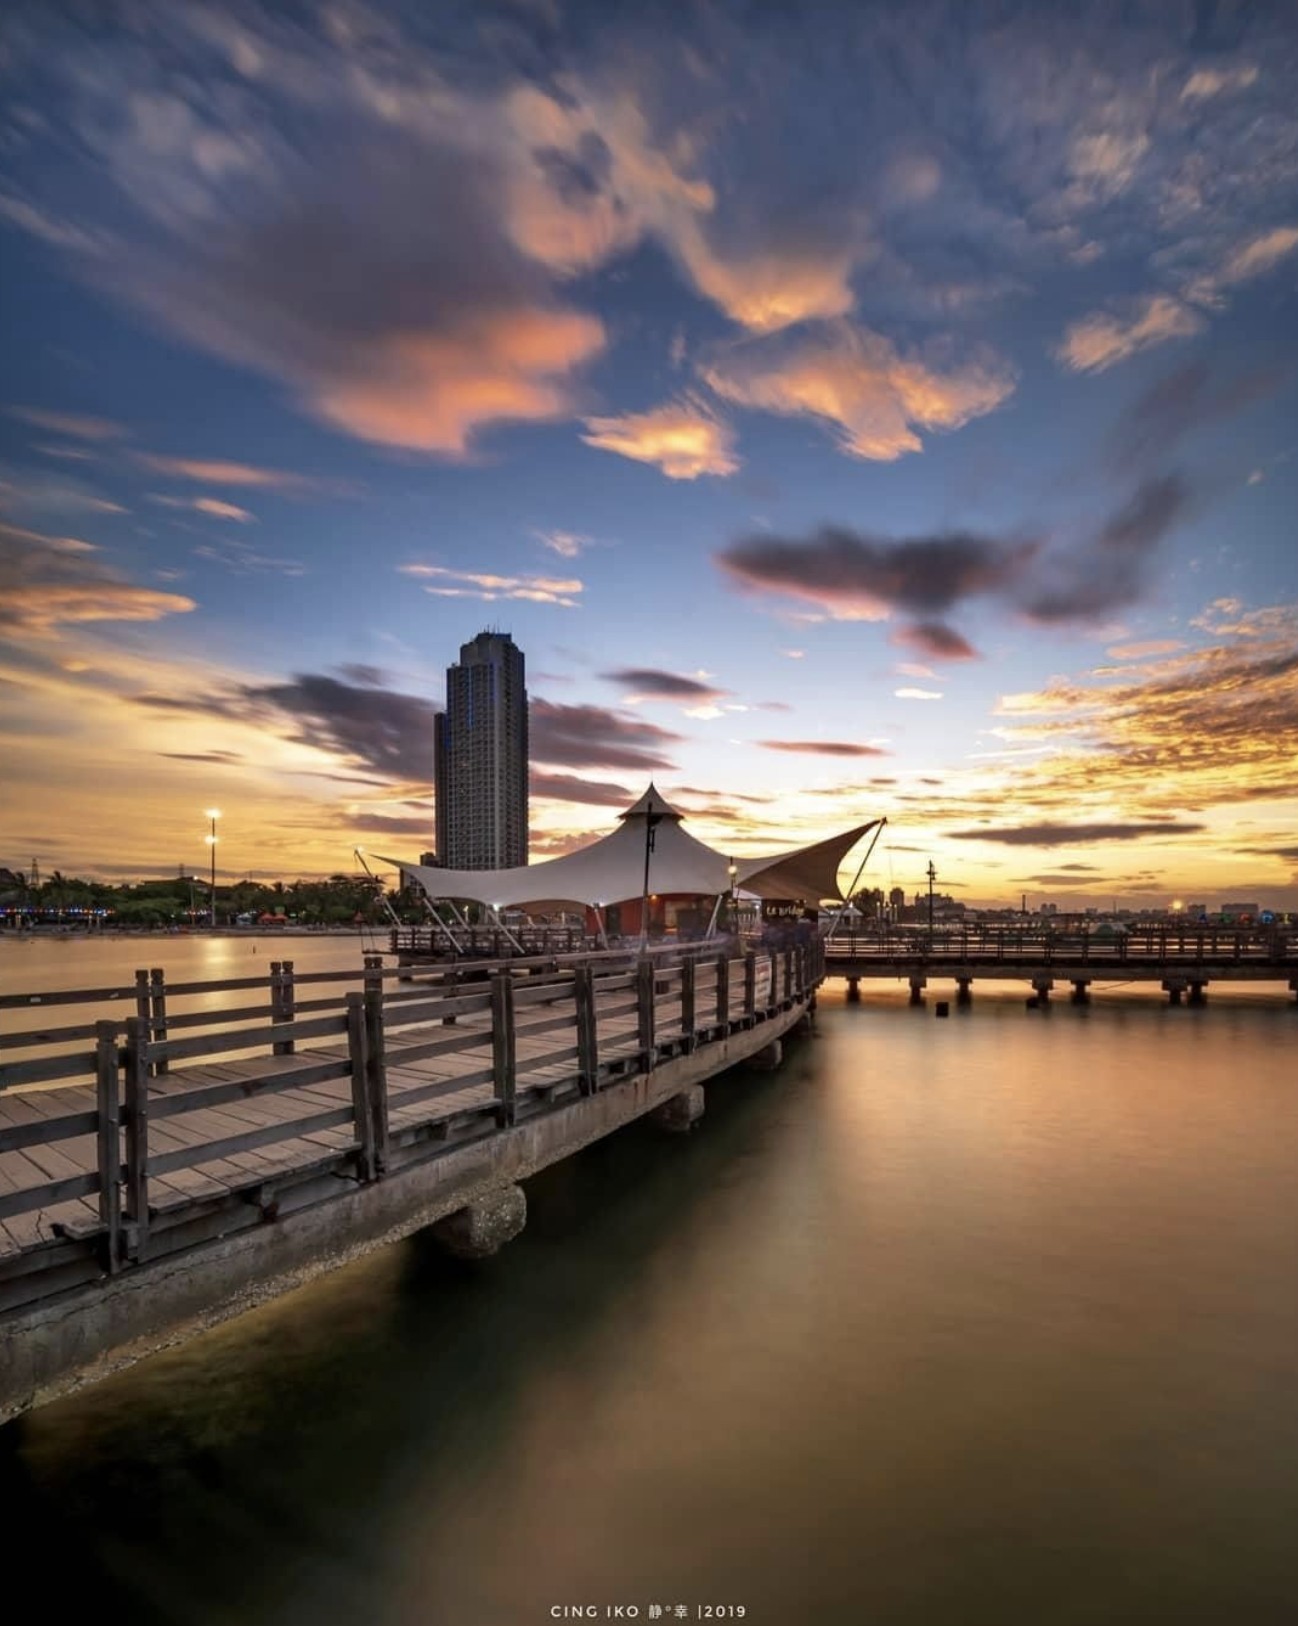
(1154, 945)
(115, 1112)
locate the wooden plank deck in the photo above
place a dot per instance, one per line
(426, 1097)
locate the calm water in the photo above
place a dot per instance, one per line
(986, 1320)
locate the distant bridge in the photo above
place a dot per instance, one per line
(1183, 960)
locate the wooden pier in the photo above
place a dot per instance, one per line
(162, 1170)
(1182, 960)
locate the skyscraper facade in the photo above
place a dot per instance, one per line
(480, 757)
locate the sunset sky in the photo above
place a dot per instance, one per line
(849, 409)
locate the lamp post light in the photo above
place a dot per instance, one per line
(213, 813)
(732, 870)
(651, 823)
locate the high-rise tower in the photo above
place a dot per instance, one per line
(480, 757)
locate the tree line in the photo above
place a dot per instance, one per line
(181, 900)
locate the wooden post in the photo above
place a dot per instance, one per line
(750, 988)
(723, 994)
(787, 957)
(137, 1132)
(286, 1008)
(644, 986)
(158, 1014)
(108, 1107)
(688, 1023)
(145, 1010)
(504, 1058)
(583, 983)
(450, 984)
(358, 1051)
(376, 1059)
(773, 987)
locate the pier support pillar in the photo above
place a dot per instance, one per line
(1293, 988)
(963, 996)
(768, 1058)
(484, 1225)
(1197, 995)
(1081, 994)
(1041, 987)
(918, 984)
(404, 973)
(679, 1113)
(853, 990)
(1174, 987)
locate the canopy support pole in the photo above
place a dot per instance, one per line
(382, 895)
(851, 891)
(501, 924)
(716, 910)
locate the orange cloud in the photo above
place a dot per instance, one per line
(213, 507)
(1260, 255)
(559, 590)
(432, 391)
(1143, 651)
(772, 289)
(1098, 341)
(1206, 82)
(858, 381)
(68, 423)
(629, 188)
(683, 438)
(219, 473)
(47, 583)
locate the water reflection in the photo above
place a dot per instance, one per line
(946, 1322)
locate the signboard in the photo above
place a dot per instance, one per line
(783, 909)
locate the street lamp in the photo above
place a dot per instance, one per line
(732, 870)
(213, 813)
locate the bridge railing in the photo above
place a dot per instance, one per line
(1153, 944)
(174, 1110)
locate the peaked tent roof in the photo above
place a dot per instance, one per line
(611, 870)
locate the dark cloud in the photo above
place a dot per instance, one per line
(1109, 572)
(381, 729)
(365, 677)
(594, 737)
(389, 732)
(1286, 855)
(650, 681)
(1055, 880)
(824, 748)
(936, 640)
(1186, 399)
(1068, 835)
(224, 757)
(563, 787)
(853, 575)
(849, 570)
(385, 824)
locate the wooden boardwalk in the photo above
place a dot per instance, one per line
(1183, 959)
(128, 1141)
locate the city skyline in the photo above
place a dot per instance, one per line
(880, 412)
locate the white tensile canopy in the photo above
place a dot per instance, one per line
(611, 870)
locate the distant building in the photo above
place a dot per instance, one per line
(1240, 911)
(480, 758)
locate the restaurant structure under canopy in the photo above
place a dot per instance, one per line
(685, 876)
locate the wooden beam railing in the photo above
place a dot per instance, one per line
(153, 1073)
